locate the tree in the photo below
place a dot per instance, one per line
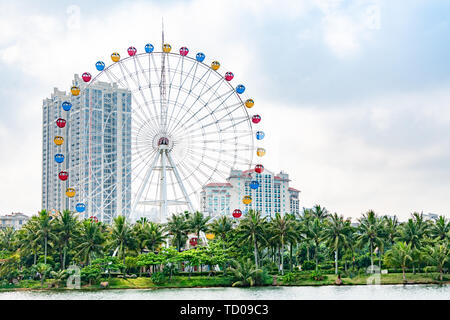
(222, 227)
(251, 230)
(154, 236)
(318, 212)
(121, 236)
(336, 234)
(370, 232)
(440, 230)
(90, 241)
(7, 239)
(399, 256)
(437, 255)
(28, 242)
(414, 232)
(283, 231)
(67, 227)
(198, 223)
(43, 270)
(244, 273)
(45, 231)
(391, 229)
(315, 230)
(178, 228)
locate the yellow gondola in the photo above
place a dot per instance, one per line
(249, 103)
(58, 140)
(167, 48)
(247, 200)
(75, 90)
(260, 152)
(70, 192)
(210, 236)
(115, 57)
(215, 65)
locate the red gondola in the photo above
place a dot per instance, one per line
(193, 241)
(184, 51)
(256, 118)
(93, 219)
(237, 213)
(131, 51)
(86, 77)
(259, 168)
(63, 175)
(229, 76)
(61, 123)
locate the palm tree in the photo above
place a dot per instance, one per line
(399, 256)
(178, 228)
(67, 227)
(413, 232)
(251, 230)
(283, 231)
(198, 223)
(370, 231)
(440, 230)
(315, 230)
(437, 255)
(154, 236)
(222, 227)
(121, 236)
(7, 239)
(139, 233)
(28, 242)
(45, 230)
(336, 233)
(90, 241)
(245, 273)
(391, 229)
(318, 212)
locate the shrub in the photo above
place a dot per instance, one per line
(308, 265)
(158, 278)
(317, 275)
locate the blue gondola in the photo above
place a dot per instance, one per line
(80, 207)
(260, 135)
(59, 158)
(200, 57)
(240, 89)
(149, 48)
(66, 105)
(100, 65)
(254, 184)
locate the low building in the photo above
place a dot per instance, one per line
(13, 220)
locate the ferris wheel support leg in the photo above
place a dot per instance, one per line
(163, 211)
(180, 183)
(144, 183)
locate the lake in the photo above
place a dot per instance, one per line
(362, 292)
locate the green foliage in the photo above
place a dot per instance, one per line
(91, 273)
(245, 273)
(317, 275)
(158, 278)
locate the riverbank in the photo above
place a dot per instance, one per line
(223, 281)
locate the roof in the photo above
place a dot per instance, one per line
(218, 184)
(293, 189)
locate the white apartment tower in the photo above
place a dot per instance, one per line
(97, 150)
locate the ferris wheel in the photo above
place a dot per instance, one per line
(172, 124)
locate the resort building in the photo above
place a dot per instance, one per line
(272, 195)
(13, 220)
(96, 149)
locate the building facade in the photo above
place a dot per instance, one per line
(13, 220)
(96, 149)
(273, 195)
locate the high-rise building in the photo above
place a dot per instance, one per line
(96, 147)
(273, 194)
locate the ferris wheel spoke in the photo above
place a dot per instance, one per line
(195, 101)
(113, 78)
(139, 86)
(148, 80)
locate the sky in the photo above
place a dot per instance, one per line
(354, 95)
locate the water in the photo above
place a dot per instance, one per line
(389, 292)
